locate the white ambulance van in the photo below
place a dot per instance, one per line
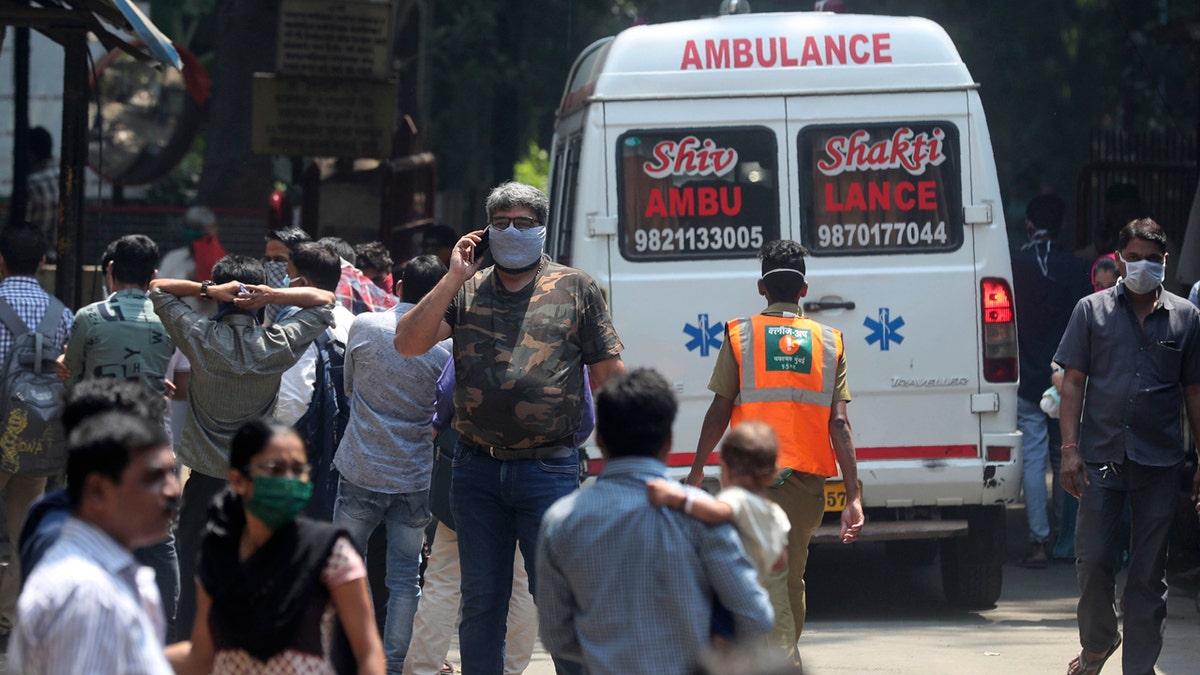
(680, 148)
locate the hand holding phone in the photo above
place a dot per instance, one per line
(482, 246)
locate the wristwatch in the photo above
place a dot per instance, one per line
(204, 289)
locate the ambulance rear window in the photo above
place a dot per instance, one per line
(880, 188)
(700, 193)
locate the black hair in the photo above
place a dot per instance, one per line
(1145, 229)
(318, 264)
(438, 236)
(252, 438)
(419, 277)
(1106, 264)
(23, 247)
(1046, 213)
(243, 268)
(134, 258)
(41, 143)
(634, 413)
(373, 254)
(339, 246)
(104, 444)
(93, 396)
(290, 237)
(751, 449)
(788, 255)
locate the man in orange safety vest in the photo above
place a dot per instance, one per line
(785, 369)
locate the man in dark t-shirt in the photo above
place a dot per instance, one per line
(1047, 282)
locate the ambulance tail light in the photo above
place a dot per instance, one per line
(999, 331)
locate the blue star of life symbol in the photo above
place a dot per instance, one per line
(885, 330)
(704, 337)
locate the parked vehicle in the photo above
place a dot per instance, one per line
(680, 148)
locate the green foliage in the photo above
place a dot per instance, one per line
(534, 167)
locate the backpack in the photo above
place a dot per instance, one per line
(323, 424)
(31, 396)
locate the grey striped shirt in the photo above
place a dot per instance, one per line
(88, 607)
(236, 367)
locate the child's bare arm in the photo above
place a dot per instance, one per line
(699, 506)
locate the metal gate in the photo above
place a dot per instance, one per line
(1161, 165)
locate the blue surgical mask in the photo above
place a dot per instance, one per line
(1143, 276)
(517, 250)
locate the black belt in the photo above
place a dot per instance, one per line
(553, 450)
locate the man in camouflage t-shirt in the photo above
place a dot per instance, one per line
(523, 330)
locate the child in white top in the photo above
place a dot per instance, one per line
(748, 468)
(748, 456)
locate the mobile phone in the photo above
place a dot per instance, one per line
(482, 246)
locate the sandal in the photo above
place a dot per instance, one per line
(446, 667)
(1081, 665)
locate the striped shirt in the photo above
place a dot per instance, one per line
(88, 607)
(29, 301)
(236, 368)
(627, 587)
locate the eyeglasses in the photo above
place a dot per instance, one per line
(278, 468)
(522, 223)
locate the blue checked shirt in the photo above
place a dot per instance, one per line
(627, 587)
(29, 301)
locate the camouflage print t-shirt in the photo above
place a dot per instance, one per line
(520, 356)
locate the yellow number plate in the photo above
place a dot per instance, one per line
(835, 495)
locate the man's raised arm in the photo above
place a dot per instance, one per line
(424, 325)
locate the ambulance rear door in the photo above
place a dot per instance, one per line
(699, 188)
(879, 185)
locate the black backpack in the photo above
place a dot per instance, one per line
(323, 424)
(31, 396)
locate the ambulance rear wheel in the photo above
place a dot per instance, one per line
(973, 566)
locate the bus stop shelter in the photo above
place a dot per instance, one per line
(117, 24)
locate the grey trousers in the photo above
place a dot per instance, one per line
(1150, 492)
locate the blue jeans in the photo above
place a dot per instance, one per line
(1035, 451)
(359, 511)
(498, 505)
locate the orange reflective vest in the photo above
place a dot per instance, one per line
(787, 366)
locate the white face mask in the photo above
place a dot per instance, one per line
(1143, 276)
(514, 249)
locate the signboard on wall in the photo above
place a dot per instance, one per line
(328, 38)
(323, 117)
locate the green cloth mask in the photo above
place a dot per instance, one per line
(278, 500)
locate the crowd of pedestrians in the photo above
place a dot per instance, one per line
(323, 396)
(221, 534)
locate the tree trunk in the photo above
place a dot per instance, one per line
(233, 176)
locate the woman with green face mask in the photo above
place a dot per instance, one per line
(277, 592)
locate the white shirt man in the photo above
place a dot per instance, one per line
(88, 607)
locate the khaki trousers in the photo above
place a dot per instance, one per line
(802, 498)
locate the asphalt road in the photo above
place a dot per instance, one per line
(867, 616)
